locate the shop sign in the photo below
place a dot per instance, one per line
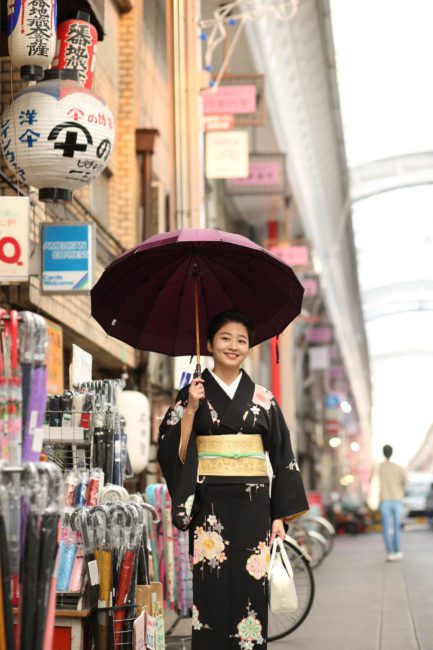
(336, 372)
(319, 358)
(332, 401)
(320, 335)
(227, 154)
(14, 238)
(67, 257)
(292, 255)
(218, 122)
(54, 358)
(311, 287)
(241, 100)
(261, 172)
(80, 369)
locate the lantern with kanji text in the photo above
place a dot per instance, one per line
(77, 39)
(32, 35)
(57, 136)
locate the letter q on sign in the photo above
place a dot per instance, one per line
(10, 251)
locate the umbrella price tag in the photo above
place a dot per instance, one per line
(93, 572)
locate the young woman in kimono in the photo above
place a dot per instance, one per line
(225, 451)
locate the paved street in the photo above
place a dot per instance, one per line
(365, 603)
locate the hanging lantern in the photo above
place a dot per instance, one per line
(57, 135)
(32, 35)
(76, 47)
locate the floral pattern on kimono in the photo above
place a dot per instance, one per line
(209, 545)
(250, 630)
(196, 623)
(258, 562)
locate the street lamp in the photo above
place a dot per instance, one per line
(345, 406)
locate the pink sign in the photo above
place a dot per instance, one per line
(320, 335)
(230, 100)
(334, 352)
(292, 255)
(261, 172)
(336, 372)
(311, 287)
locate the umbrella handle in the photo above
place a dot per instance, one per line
(197, 321)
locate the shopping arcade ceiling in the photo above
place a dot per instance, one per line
(383, 53)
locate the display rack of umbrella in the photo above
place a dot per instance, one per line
(112, 536)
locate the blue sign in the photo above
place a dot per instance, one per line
(67, 257)
(332, 401)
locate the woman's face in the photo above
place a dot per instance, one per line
(230, 345)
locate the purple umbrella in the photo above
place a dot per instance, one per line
(159, 295)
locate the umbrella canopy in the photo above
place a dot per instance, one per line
(147, 296)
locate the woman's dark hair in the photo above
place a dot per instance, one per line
(231, 316)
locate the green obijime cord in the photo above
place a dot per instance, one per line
(221, 454)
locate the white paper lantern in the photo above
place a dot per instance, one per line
(57, 135)
(32, 35)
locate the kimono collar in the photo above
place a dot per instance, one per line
(230, 411)
(230, 389)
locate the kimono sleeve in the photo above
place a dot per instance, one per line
(288, 498)
(181, 477)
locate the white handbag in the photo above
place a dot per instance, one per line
(282, 592)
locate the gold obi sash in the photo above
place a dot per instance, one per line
(231, 455)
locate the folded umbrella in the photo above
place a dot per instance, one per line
(6, 609)
(48, 548)
(159, 295)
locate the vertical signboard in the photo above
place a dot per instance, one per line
(227, 154)
(54, 358)
(67, 257)
(14, 238)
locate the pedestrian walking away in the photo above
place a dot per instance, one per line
(393, 480)
(213, 449)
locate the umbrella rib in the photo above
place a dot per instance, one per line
(181, 294)
(124, 303)
(245, 284)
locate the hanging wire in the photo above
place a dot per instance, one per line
(236, 14)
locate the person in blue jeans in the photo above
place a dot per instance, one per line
(393, 481)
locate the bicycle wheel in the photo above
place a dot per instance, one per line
(318, 548)
(281, 625)
(324, 527)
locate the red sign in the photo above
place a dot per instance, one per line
(230, 100)
(261, 172)
(218, 122)
(332, 427)
(292, 255)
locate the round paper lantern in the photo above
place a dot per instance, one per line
(32, 35)
(76, 47)
(57, 135)
(135, 408)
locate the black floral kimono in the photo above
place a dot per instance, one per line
(229, 518)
